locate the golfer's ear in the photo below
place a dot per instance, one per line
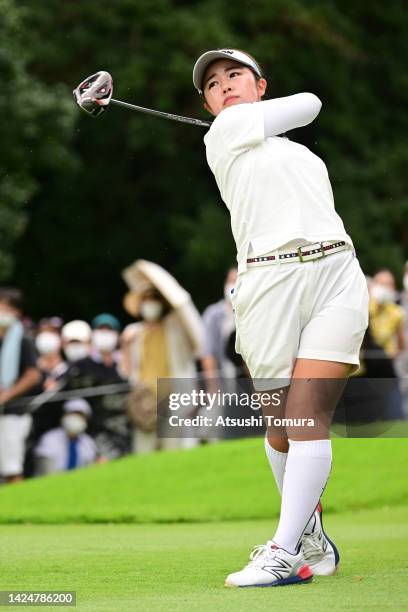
(262, 84)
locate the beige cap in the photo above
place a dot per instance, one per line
(77, 330)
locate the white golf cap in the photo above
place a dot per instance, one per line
(205, 60)
(77, 404)
(77, 330)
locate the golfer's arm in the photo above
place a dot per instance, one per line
(284, 114)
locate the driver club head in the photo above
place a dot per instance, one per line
(94, 93)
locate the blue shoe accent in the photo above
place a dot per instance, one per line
(282, 582)
(336, 552)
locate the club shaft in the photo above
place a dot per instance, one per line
(157, 113)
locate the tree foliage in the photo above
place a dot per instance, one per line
(36, 124)
(92, 196)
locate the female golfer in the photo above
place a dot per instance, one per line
(300, 300)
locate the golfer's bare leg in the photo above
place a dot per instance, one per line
(304, 370)
(316, 387)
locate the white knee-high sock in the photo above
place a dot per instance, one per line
(307, 471)
(277, 461)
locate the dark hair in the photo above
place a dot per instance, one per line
(12, 297)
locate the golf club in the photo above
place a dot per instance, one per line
(94, 94)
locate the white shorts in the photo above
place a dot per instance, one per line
(14, 430)
(313, 310)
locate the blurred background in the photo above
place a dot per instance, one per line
(80, 199)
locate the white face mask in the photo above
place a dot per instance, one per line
(382, 294)
(105, 340)
(74, 424)
(151, 310)
(6, 319)
(405, 282)
(48, 343)
(227, 290)
(76, 350)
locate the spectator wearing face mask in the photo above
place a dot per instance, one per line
(164, 344)
(54, 369)
(109, 424)
(76, 340)
(48, 344)
(386, 317)
(105, 338)
(67, 447)
(18, 376)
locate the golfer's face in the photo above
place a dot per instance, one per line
(227, 83)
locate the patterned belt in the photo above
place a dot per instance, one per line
(310, 252)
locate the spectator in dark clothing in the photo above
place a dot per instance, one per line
(369, 394)
(109, 424)
(377, 363)
(74, 338)
(50, 362)
(47, 415)
(18, 376)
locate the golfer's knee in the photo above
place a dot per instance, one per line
(279, 443)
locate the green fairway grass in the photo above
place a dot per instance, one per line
(182, 567)
(219, 482)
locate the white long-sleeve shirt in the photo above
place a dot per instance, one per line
(276, 190)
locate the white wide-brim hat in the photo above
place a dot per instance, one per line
(206, 58)
(143, 275)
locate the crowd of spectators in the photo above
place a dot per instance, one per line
(75, 393)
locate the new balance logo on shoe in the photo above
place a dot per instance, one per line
(280, 568)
